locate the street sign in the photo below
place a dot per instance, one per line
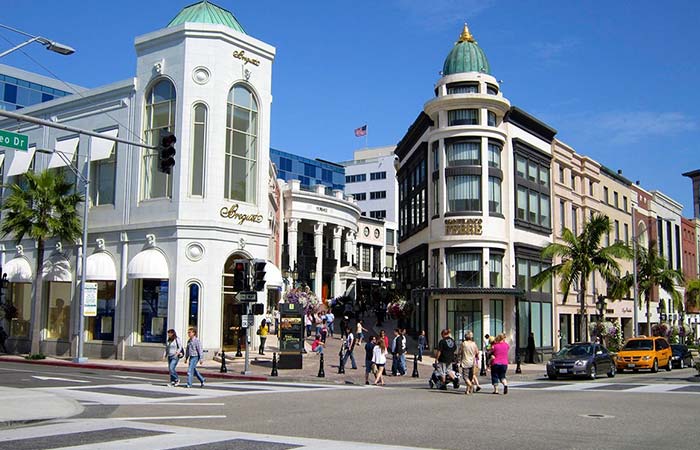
(247, 320)
(247, 296)
(14, 140)
(90, 300)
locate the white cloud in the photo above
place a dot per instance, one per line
(551, 51)
(635, 126)
(441, 13)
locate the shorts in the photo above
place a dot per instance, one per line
(368, 365)
(444, 369)
(498, 373)
(468, 373)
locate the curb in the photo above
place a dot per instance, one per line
(21, 423)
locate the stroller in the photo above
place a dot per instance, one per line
(436, 383)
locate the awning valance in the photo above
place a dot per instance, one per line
(57, 269)
(100, 267)
(18, 270)
(102, 148)
(149, 264)
(63, 152)
(273, 276)
(18, 161)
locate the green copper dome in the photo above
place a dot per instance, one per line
(466, 56)
(206, 12)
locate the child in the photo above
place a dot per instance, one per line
(317, 345)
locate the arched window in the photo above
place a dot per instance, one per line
(241, 145)
(159, 114)
(198, 153)
(194, 304)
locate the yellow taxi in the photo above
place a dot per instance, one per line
(645, 353)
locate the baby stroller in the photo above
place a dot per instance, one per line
(436, 383)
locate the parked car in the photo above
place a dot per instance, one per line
(582, 358)
(682, 357)
(645, 353)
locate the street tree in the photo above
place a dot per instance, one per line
(580, 257)
(692, 292)
(44, 207)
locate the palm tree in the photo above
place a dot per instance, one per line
(692, 292)
(581, 256)
(45, 208)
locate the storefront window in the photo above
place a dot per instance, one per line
(496, 319)
(496, 270)
(101, 327)
(464, 269)
(58, 317)
(464, 316)
(153, 310)
(21, 297)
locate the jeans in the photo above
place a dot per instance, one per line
(348, 354)
(192, 370)
(420, 353)
(402, 364)
(261, 350)
(308, 330)
(394, 364)
(172, 366)
(331, 328)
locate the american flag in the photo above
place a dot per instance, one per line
(362, 131)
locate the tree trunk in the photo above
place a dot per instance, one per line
(648, 302)
(37, 297)
(583, 323)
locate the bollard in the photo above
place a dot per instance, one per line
(223, 363)
(341, 366)
(482, 371)
(415, 367)
(238, 348)
(321, 372)
(274, 365)
(517, 362)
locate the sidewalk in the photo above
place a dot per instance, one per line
(25, 406)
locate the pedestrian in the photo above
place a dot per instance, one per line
(307, 324)
(422, 344)
(173, 352)
(3, 338)
(318, 319)
(350, 347)
(531, 349)
(317, 345)
(384, 337)
(499, 363)
(488, 341)
(369, 354)
(330, 318)
(343, 327)
(262, 332)
(194, 355)
(445, 356)
(467, 354)
(276, 315)
(324, 331)
(379, 360)
(402, 352)
(394, 355)
(359, 329)
(268, 321)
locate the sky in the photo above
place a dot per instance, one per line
(618, 80)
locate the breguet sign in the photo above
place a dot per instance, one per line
(463, 226)
(231, 212)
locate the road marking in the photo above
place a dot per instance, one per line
(126, 377)
(59, 379)
(167, 417)
(187, 404)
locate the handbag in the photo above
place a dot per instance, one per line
(374, 369)
(257, 331)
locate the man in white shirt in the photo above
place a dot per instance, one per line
(350, 347)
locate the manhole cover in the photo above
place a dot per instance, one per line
(597, 416)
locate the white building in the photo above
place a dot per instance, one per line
(161, 247)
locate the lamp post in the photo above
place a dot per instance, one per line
(635, 295)
(53, 46)
(600, 306)
(291, 272)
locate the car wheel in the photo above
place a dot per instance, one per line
(655, 367)
(591, 373)
(682, 363)
(611, 374)
(669, 366)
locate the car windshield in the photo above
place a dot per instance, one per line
(575, 351)
(678, 349)
(639, 344)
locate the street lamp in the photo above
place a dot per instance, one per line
(291, 272)
(53, 46)
(600, 306)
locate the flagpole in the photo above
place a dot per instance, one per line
(366, 137)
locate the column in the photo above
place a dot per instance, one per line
(318, 250)
(348, 248)
(292, 245)
(337, 236)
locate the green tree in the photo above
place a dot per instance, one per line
(44, 208)
(692, 292)
(580, 257)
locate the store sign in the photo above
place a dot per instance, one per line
(231, 212)
(463, 227)
(90, 300)
(241, 55)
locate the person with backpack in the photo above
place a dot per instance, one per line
(173, 351)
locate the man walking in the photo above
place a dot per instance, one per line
(330, 318)
(369, 353)
(445, 356)
(401, 350)
(350, 346)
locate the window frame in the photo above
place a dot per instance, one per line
(194, 144)
(149, 157)
(254, 112)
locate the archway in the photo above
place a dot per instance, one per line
(231, 309)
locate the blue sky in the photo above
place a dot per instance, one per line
(618, 80)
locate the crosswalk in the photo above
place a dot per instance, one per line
(155, 393)
(632, 388)
(110, 434)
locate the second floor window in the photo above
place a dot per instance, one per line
(241, 145)
(160, 114)
(463, 117)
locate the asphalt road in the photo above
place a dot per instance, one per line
(631, 411)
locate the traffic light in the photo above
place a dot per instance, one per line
(166, 151)
(259, 274)
(240, 275)
(258, 309)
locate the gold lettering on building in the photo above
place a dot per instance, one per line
(241, 55)
(463, 226)
(231, 212)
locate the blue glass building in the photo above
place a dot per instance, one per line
(19, 89)
(309, 171)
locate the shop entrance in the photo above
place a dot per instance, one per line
(231, 309)
(464, 316)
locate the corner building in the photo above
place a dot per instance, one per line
(475, 209)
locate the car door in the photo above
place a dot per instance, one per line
(606, 359)
(599, 358)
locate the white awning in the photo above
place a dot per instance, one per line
(102, 148)
(18, 161)
(273, 276)
(18, 270)
(100, 267)
(67, 149)
(150, 264)
(57, 269)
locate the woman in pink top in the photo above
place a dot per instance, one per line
(499, 363)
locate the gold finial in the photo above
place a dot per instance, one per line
(466, 36)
